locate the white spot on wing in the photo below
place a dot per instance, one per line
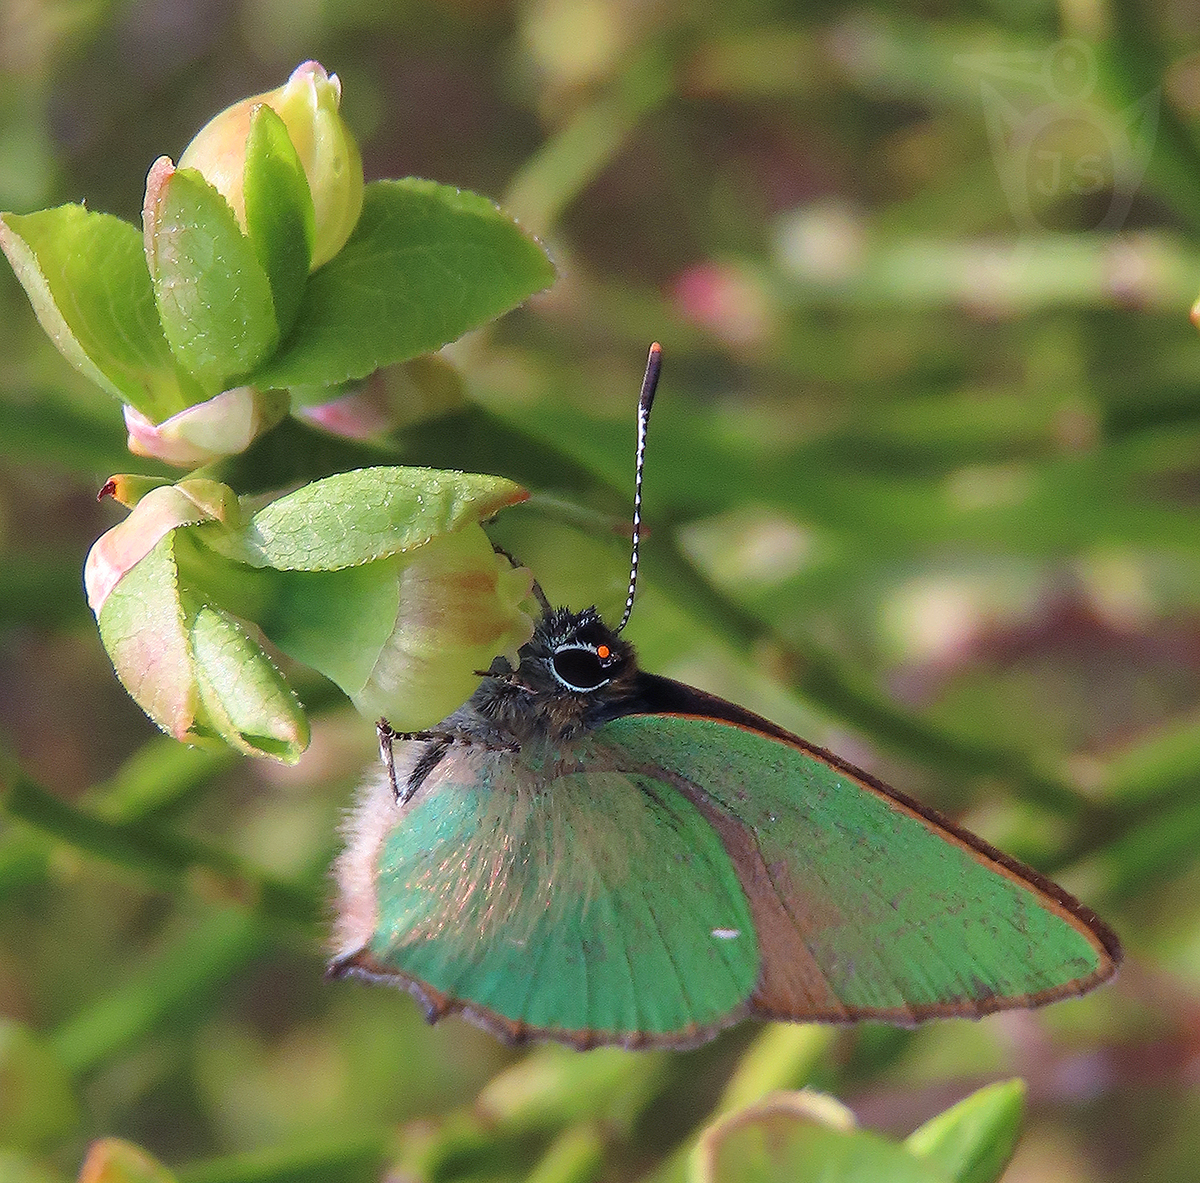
(726, 934)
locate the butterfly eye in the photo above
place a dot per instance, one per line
(578, 669)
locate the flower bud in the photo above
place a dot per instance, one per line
(186, 662)
(308, 105)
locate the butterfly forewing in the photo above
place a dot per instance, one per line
(865, 907)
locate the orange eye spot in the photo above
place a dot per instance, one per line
(603, 651)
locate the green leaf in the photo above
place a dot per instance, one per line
(424, 264)
(333, 621)
(280, 221)
(371, 513)
(213, 295)
(245, 697)
(973, 1141)
(85, 275)
(802, 1138)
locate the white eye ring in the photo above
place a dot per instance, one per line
(572, 685)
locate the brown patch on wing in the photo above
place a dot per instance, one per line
(791, 985)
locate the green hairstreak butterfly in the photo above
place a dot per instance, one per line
(590, 853)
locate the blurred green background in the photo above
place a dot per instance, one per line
(922, 486)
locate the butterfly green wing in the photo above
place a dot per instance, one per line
(866, 905)
(550, 895)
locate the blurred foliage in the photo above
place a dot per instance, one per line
(922, 487)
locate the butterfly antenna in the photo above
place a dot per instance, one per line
(645, 402)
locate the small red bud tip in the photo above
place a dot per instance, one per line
(109, 489)
(655, 347)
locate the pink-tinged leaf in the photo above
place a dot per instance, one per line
(115, 552)
(188, 664)
(144, 632)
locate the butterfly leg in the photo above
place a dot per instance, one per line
(439, 744)
(387, 737)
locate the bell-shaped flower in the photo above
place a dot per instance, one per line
(459, 606)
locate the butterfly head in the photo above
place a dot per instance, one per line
(580, 652)
(574, 673)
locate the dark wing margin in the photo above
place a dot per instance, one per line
(437, 1006)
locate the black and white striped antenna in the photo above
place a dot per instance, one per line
(645, 402)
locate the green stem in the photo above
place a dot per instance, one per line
(169, 860)
(1136, 66)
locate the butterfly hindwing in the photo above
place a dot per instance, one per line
(566, 894)
(867, 906)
